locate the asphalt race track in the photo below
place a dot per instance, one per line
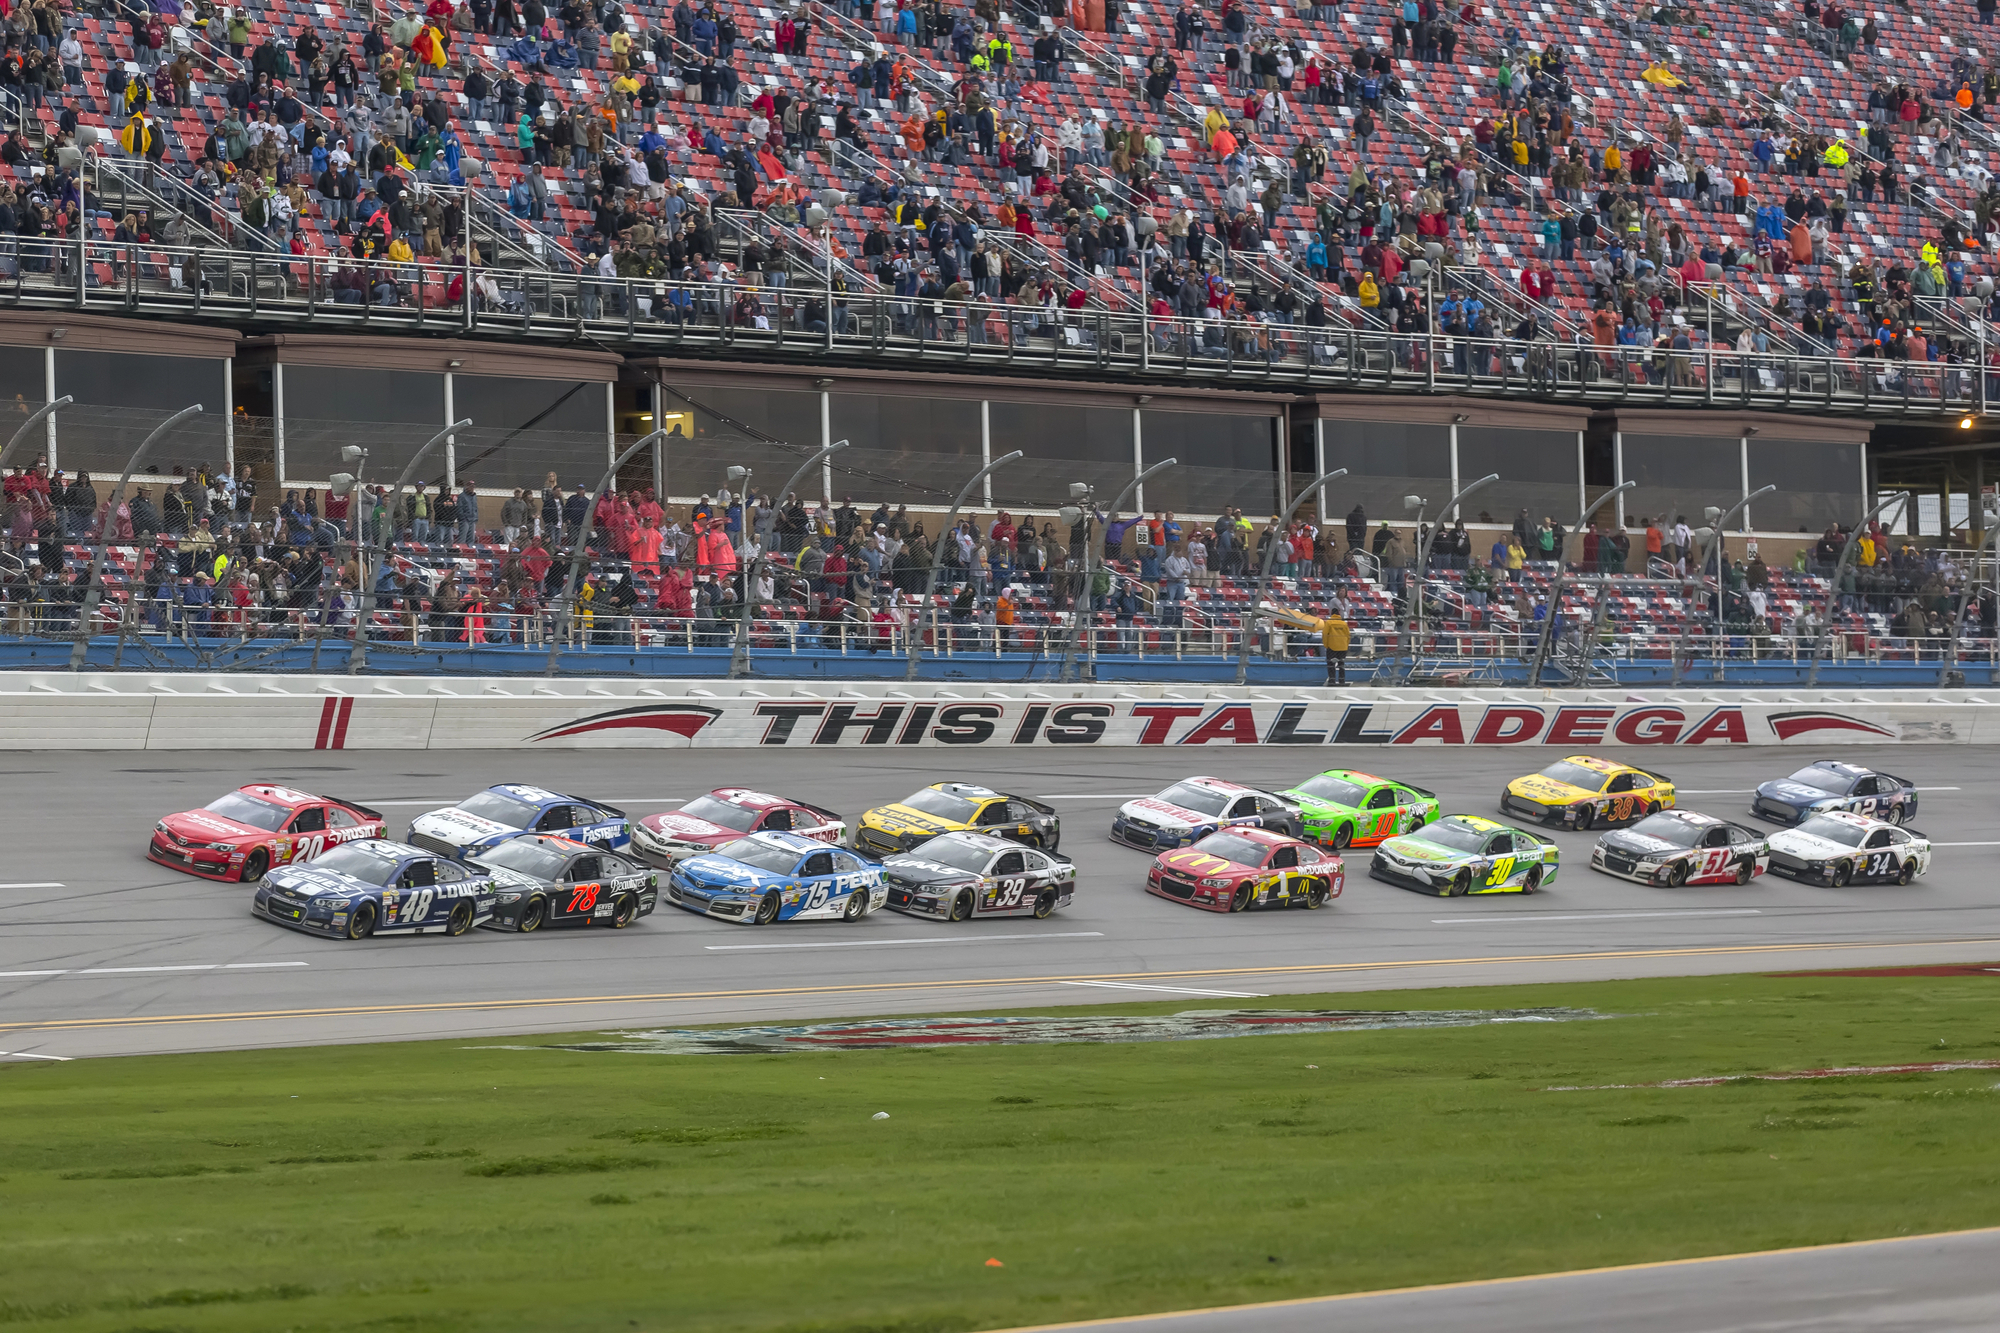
(104, 953)
(1914, 1284)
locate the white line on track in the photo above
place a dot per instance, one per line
(928, 939)
(1526, 917)
(1177, 990)
(177, 967)
(1752, 791)
(608, 800)
(30, 1055)
(44, 884)
(1966, 844)
(1102, 796)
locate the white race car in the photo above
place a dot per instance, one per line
(1193, 808)
(1839, 847)
(1683, 847)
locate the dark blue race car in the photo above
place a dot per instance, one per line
(376, 887)
(768, 877)
(1827, 784)
(500, 812)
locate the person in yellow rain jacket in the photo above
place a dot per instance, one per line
(1660, 76)
(1614, 161)
(137, 136)
(399, 250)
(1836, 152)
(1334, 636)
(1930, 254)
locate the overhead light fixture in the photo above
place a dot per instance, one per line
(1460, 418)
(57, 335)
(1414, 502)
(352, 453)
(823, 382)
(453, 365)
(645, 416)
(1965, 423)
(1145, 398)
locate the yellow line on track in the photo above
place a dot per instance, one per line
(884, 987)
(1500, 1281)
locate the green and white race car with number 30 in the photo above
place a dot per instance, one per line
(1463, 854)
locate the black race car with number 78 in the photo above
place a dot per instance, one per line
(958, 876)
(545, 880)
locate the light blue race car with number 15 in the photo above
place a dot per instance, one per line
(768, 877)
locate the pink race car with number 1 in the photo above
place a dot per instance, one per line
(255, 828)
(724, 815)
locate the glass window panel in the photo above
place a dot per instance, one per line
(331, 393)
(1818, 483)
(24, 376)
(1385, 461)
(510, 403)
(905, 450)
(1060, 444)
(1680, 476)
(1226, 461)
(1538, 473)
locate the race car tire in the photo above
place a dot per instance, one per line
(1316, 896)
(1843, 874)
(1907, 873)
(961, 907)
(460, 919)
(1647, 809)
(1240, 900)
(1055, 840)
(254, 868)
(1893, 815)
(1461, 884)
(1533, 881)
(1678, 875)
(1045, 904)
(767, 909)
(1746, 870)
(362, 924)
(1585, 817)
(1343, 837)
(1416, 822)
(533, 914)
(857, 907)
(624, 910)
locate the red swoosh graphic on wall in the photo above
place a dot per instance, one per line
(1788, 725)
(680, 719)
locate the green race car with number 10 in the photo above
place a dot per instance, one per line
(1342, 808)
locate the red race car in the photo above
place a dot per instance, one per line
(244, 834)
(724, 815)
(1240, 868)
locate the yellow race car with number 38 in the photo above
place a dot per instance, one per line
(1584, 791)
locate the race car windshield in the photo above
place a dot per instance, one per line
(1232, 848)
(1575, 775)
(720, 813)
(249, 810)
(958, 855)
(1455, 836)
(527, 856)
(944, 805)
(1337, 790)
(356, 862)
(1822, 779)
(1198, 799)
(501, 809)
(1666, 828)
(777, 860)
(1833, 830)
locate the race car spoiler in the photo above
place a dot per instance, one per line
(611, 810)
(357, 806)
(1431, 795)
(1042, 807)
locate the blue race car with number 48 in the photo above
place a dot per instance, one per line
(376, 887)
(510, 808)
(768, 877)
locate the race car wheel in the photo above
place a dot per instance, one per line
(1893, 815)
(460, 919)
(1842, 874)
(533, 913)
(1907, 873)
(767, 909)
(857, 907)
(1460, 885)
(362, 924)
(1678, 875)
(1416, 822)
(624, 911)
(254, 868)
(1533, 881)
(1316, 895)
(1746, 870)
(1585, 816)
(1045, 904)
(1343, 837)
(1648, 809)
(961, 907)
(1241, 898)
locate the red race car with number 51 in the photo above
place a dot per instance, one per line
(1240, 868)
(253, 829)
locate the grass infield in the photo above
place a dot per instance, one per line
(432, 1186)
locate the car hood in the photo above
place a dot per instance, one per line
(308, 881)
(1643, 844)
(1318, 805)
(506, 877)
(687, 828)
(900, 818)
(207, 826)
(458, 828)
(721, 872)
(1412, 848)
(1810, 846)
(1191, 862)
(1538, 788)
(1794, 793)
(916, 870)
(1166, 814)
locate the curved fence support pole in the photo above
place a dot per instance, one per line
(1090, 543)
(1264, 576)
(1840, 568)
(739, 657)
(1964, 596)
(95, 583)
(566, 608)
(378, 545)
(45, 410)
(914, 632)
(1546, 639)
(1416, 600)
(1710, 546)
